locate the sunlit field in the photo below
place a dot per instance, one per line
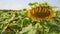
(40, 18)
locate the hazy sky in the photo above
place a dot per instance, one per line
(19, 4)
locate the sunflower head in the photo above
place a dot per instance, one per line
(40, 13)
(8, 29)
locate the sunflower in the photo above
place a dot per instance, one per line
(40, 13)
(8, 29)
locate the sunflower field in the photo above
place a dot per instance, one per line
(40, 18)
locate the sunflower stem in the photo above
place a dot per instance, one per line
(42, 23)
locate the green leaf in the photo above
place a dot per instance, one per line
(54, 29)
(32, 31)
(3, 29)
(33, 4)
(26, 29)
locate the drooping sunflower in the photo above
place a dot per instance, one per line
(40, 13)
(8, 29)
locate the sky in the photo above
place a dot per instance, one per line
(20, 4)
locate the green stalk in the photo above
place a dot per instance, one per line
(42, 24)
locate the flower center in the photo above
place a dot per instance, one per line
(40, 12)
